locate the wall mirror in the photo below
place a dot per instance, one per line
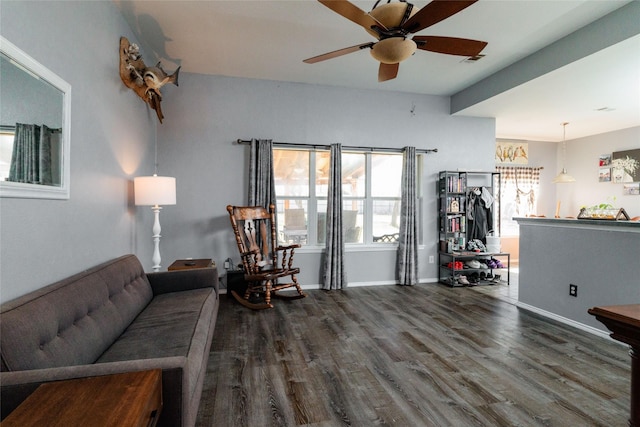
(35, 113)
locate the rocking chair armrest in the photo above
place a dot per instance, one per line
(287, 247)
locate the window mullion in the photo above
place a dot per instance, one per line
(312, 206)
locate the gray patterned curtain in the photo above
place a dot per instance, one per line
(334, 274)
(262, 189)
(407, 257)
(520, 186)
(31, 156)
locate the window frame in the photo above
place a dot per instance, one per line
(367, 200)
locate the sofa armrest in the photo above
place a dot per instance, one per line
(183, 280)
(16, 386)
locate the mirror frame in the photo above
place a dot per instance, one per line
(36, 191)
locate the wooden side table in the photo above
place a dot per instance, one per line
(624, 323)
(187, 264)
(130, 399)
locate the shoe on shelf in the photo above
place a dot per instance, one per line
(496, 278)
(473, 263)
(463, 280)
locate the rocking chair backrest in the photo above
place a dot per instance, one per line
(254, 229)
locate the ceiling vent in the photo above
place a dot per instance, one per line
(473, 59)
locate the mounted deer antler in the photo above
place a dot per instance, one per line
(144, 81)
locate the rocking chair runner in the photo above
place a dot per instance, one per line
(255, 233)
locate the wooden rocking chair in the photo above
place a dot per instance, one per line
(255, 232)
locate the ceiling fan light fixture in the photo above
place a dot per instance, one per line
(393, 50)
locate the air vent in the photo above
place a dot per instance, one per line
(605, 109)
(473, 59)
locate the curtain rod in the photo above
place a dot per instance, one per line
(12, 128)
(520, 167)
(326, 147)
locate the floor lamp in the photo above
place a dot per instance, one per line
(155, 191)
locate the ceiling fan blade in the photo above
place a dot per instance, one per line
(353, 13)
(387, 71)
(435, 12)
(339, 52)
(450, 45)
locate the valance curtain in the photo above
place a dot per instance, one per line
(31, 156)
(520, 187)
(334, 274)
(407, 256)
(262, 189)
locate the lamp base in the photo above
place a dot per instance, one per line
(156, 238)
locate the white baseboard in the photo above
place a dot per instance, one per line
(361, 284)
(566, 321)
(315, 286)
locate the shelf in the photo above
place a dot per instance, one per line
(455, 228)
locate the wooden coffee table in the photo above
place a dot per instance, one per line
(129, 399)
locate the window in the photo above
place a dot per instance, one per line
(519, 188)
(371, 186)
(6, 148)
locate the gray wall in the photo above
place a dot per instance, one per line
(111, 141)
(601, 260)
(206, 114)
(582, 163)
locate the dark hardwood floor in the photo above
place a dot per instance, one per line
(427, 355)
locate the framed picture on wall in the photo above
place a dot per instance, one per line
(512, 152)
(625, 166)
(604, 175)
(605, 160)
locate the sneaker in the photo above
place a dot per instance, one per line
(463, 280)
(473, 263)
(480, 245)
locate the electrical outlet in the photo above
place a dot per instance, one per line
(431, 260)
(573, 290)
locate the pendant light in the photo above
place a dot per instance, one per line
(563, 177)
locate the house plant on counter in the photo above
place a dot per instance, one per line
(603, 211)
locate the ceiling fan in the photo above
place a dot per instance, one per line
(394, 25)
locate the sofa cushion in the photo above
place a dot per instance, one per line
(164, 329)
(78, 317)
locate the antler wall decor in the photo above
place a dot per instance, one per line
(144, 81)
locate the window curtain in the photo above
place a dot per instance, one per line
(407, 256)
(334, 274)
(262, 189)
(520, 187)
(31, 156)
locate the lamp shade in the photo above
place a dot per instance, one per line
(154, 190)
(563, 177)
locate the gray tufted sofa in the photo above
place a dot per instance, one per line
(109, 319)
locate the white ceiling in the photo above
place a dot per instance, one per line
(268, 39)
